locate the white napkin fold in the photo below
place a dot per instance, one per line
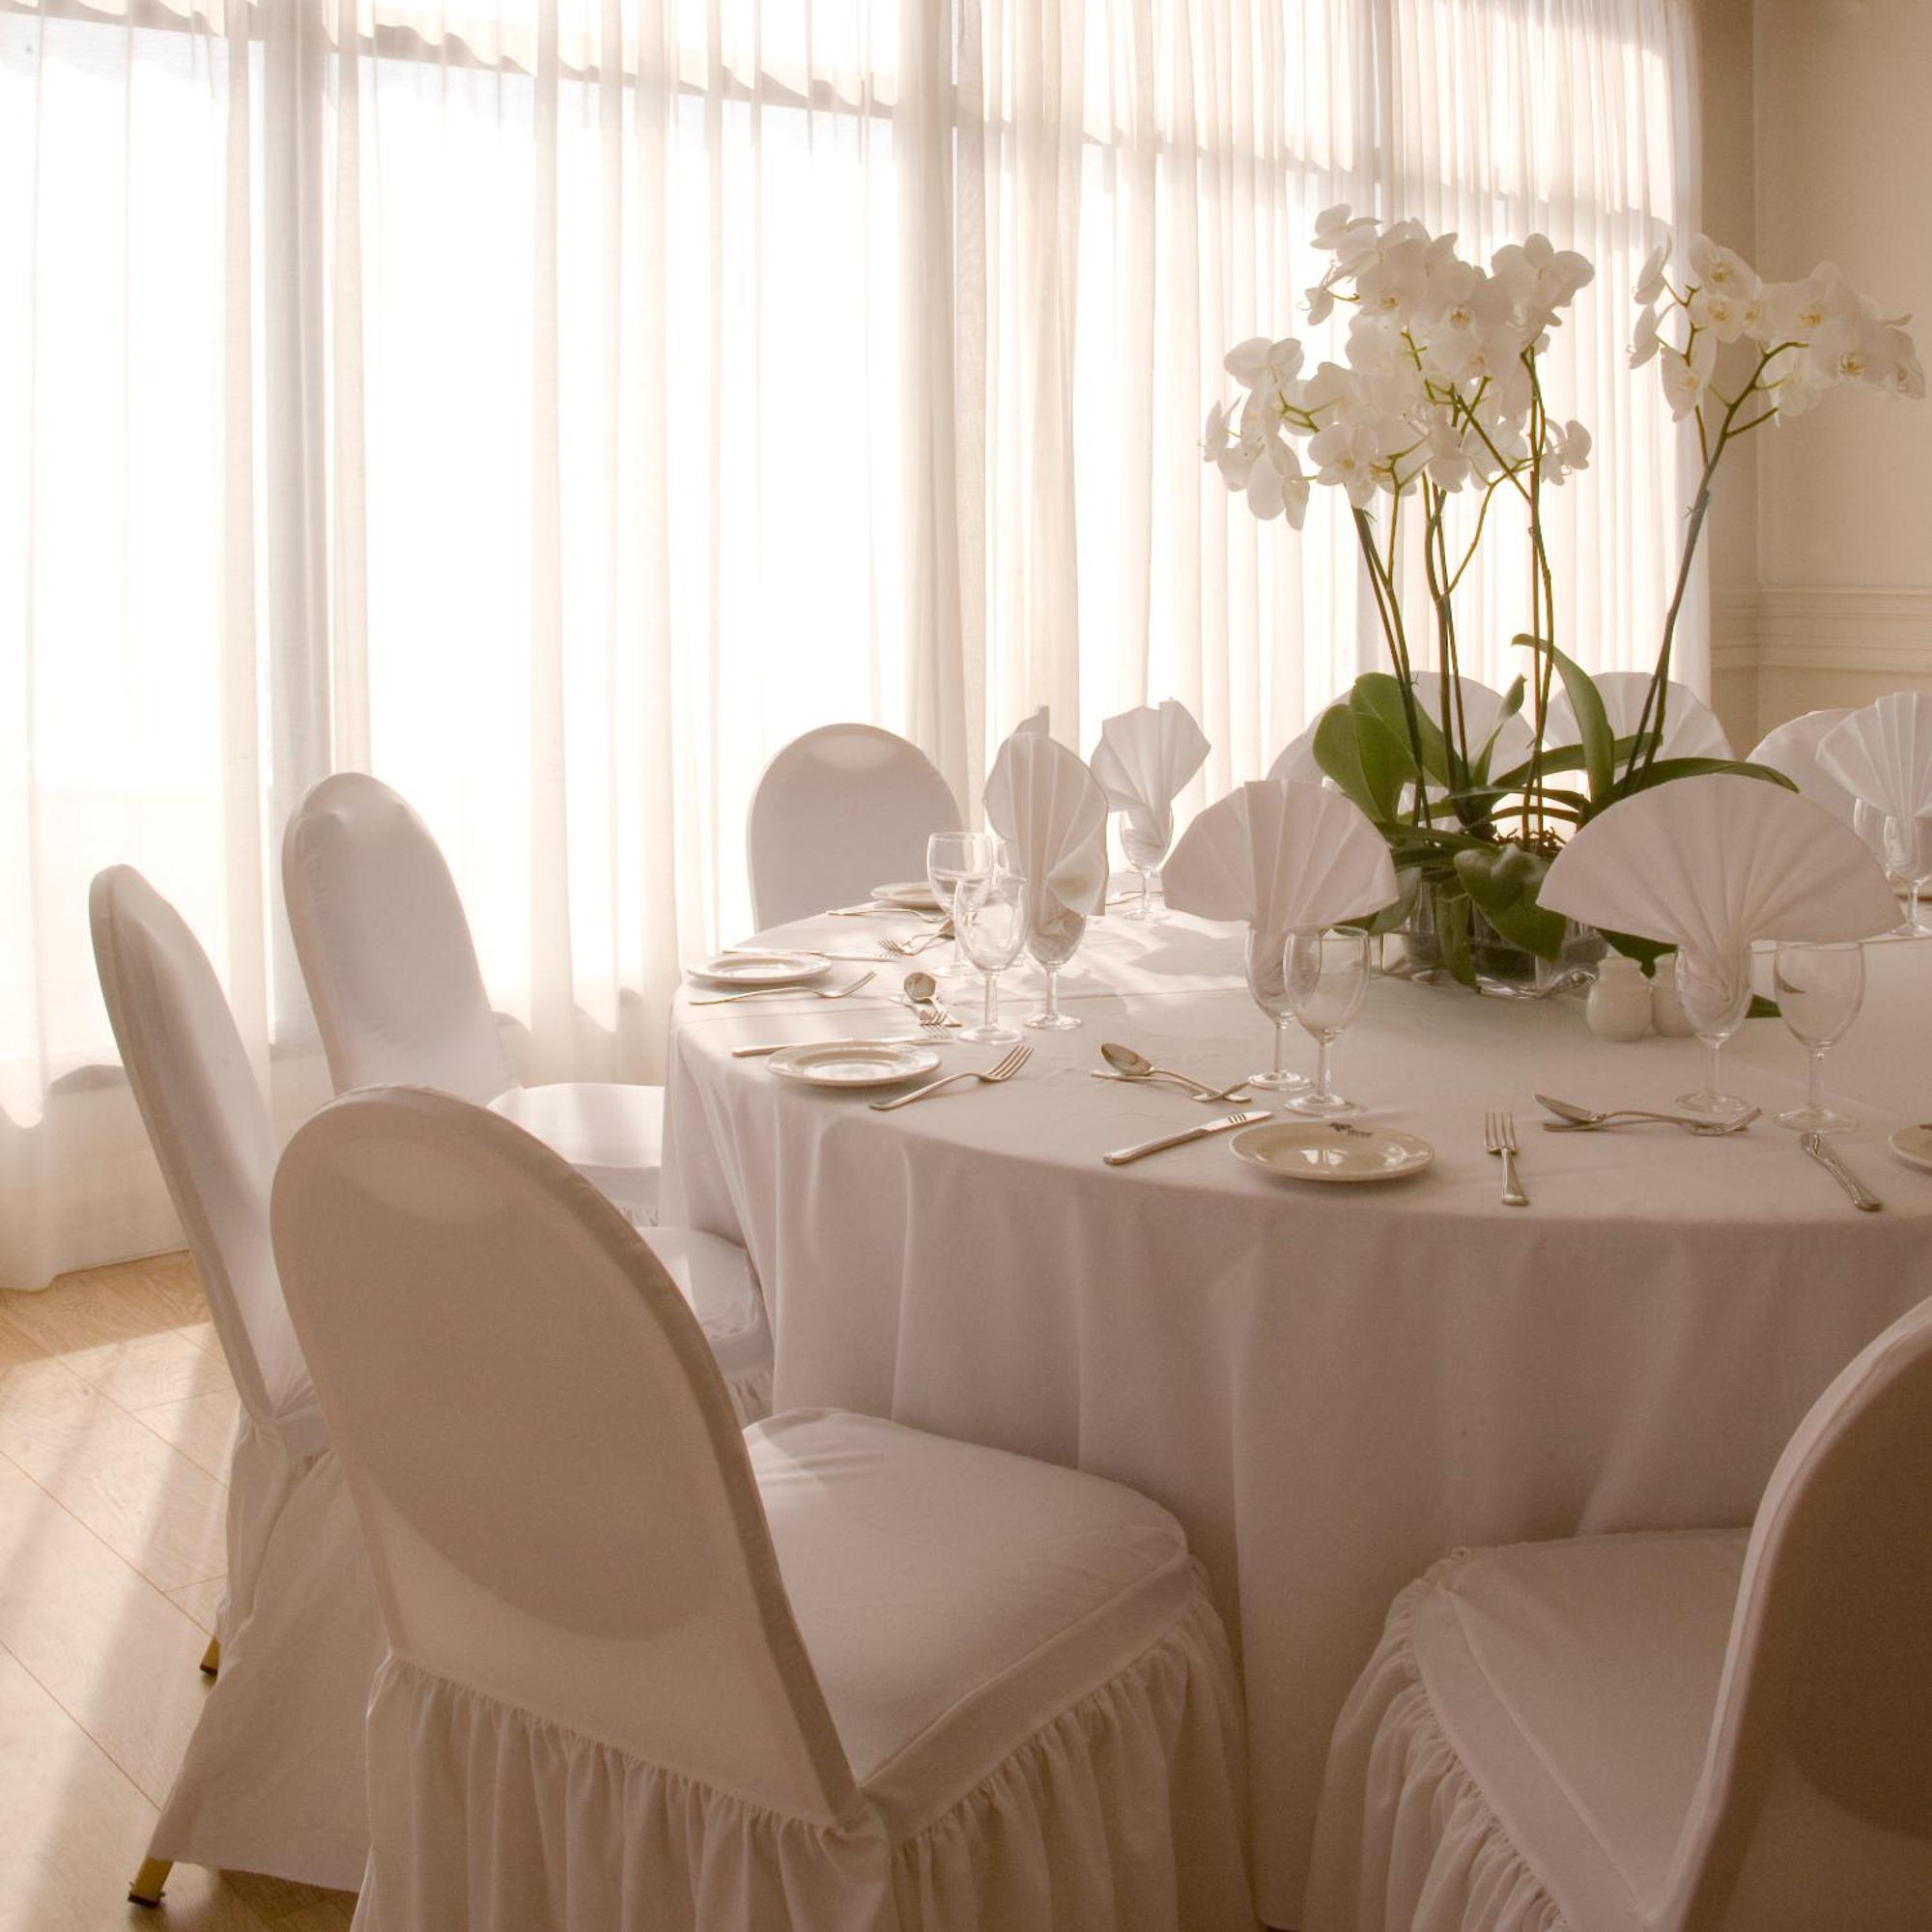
(1049, 808)
(1793, 750)
(1690, 728)
(1144, 758)
(1883, 754)
(1707, 865)
(1282, 856)
(1041, 720)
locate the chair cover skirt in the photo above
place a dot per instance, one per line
(1119, 1812)
(272, 1780)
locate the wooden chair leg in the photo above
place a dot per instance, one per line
(146, 1889)
(210, 1657)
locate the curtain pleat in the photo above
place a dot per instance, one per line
(555, 406)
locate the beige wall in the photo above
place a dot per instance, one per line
(1818, 145)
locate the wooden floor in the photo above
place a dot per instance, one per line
(115, 1412)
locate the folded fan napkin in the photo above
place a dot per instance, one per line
(1282, 856)
(1690, 728)
(1883, 754)
(1049, 808)
(1144, 756)
(1041, 720)
(1793, 750)
(1710, 864)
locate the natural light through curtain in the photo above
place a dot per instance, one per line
(555, 406)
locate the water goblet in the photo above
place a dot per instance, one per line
(1819, 989)
(950, 857)
(1907, 851)
(1715, 993)
(1325, 976)
(990, 916)
(1145, 837)
(1267, 984)
(1053, 937)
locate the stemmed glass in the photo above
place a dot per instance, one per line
(1267, 984)
(953, 856)
(1819, 989)
(1715, 995)
(990, 914)
(1145, 837)
(1053, 937)
(1325, 976)
(1907, 851)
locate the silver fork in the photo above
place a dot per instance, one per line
(911, 948)
(785, 992)
(1499, 1134)
(1001, 1070)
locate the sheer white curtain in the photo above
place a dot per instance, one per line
(553, 405)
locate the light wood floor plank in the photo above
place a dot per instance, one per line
(201, 1600)
(110, 1304)
(145, 1370)
(202, 1428)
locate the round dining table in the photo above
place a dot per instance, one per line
(1330, 1385)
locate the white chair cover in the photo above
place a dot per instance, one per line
(649, 1671)
(838, 812)
(1793, 750)
(271, 1780)
(1690, 728)
(398, 996)
(1689, 1732)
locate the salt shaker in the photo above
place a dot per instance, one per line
(1619, 1004)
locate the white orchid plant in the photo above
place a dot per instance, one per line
(1437, 409)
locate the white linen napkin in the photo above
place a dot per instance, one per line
(1707, 865)
(1793, 750)
(1883, 754)
(1049, 808)
(1144, 758)
(1690, 728)
(1282, 856)
(1041, 720)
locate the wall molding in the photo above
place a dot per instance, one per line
(1823, 628)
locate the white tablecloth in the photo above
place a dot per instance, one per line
(1331, 1386)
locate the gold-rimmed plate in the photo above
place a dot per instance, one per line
(913, 894)
(853, 1063)
(1331, 1150)
(1914, 1147)
(754, 968)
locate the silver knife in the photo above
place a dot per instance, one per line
(1862, 1198)
(1122, 1155)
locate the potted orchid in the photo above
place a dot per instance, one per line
(1436, 416)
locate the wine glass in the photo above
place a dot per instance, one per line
(1715, 993)
(1907, 851)
(1325, 976)
(1267, 982)
(1145, 837)
(1053, 937)
(953, 856)
(1819, 990)
(990, 914)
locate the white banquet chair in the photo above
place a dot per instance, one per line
(1792, 747)
(1690, 728)
(838, 812)
(392, 974)
(649, 1671)
(1689, 1731)
(272, 1779)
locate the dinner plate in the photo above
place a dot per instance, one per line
(853, 1063)
(1331, 1150)
(915, 894)
(1914, 1147)
(760, 969)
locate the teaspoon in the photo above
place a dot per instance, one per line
(1127, 1064)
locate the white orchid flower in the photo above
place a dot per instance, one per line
(1714, 266)
(1259, 362)
(1449, 463)
(1277, 487)
(1644, 344)
(1337, 229)
(1568, 451)
(1650, 282)
(1719, 309)
(1688, 373)
(1796, 311)
(1346, 456)
(1216, 436)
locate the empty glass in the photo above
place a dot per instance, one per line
(1819, 989)
(1145, 837)
(1325, 976)
(953, 856)
(1267, 982)
(990, 914)
(1906, 847)
(1715, 993)
(1053, 937)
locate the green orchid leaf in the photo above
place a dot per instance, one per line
(1370, 763)
(1452, 934)
(1502, 883)
(1568, 758)
(1379, 694)
(1586, 705)
(1664, 770)
(1513, 699)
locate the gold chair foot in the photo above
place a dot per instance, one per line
(149, 1880)
(210, 1657)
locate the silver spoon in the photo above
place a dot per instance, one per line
(1588, 1116)
(1127, 1064)
(921, 992)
